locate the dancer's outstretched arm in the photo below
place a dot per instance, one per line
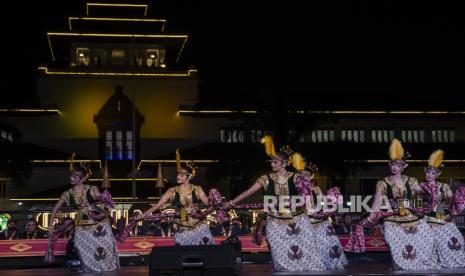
(204, 198)
(165, 198)
(250, 191)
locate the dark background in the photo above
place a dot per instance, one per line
(376, 52)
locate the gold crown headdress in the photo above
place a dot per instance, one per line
(284, 153)
(286, 149)
(189, 164)
(87, 168)
(193, 168)
(313, 168)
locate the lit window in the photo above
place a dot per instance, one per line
(152, 58)
(415, 136)
(362, 135)
(222, 135)
(240, 136)
(443, 135)
(356, 135)
(109, 145)
(129, 146)
(119, 145)
(373, 136)
(253, 136)
(404, 135)
(384, 135)
(422, 135)
(391, 135)
(82, 56)
(234, 136)
(325, 135)
(331, 135)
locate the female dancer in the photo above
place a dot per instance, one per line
(93, 237)
(448, 239)
(329, 246)
(186, 197)
(292, 242)
(407, 234)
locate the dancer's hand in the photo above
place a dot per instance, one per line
(229, 204)
(141, 216)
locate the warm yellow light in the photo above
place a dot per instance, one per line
(26, 110)
(116, 74)
(164, 66)
(152, 56)
(116, 5)
(70, 19)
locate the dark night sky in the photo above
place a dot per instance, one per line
(258, 47)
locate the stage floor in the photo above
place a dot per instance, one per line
(247, 270)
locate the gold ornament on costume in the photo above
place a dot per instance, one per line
(287, 150)
(88, 170)
(313, 168)
(189, 164)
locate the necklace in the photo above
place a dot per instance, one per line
(282, 179)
